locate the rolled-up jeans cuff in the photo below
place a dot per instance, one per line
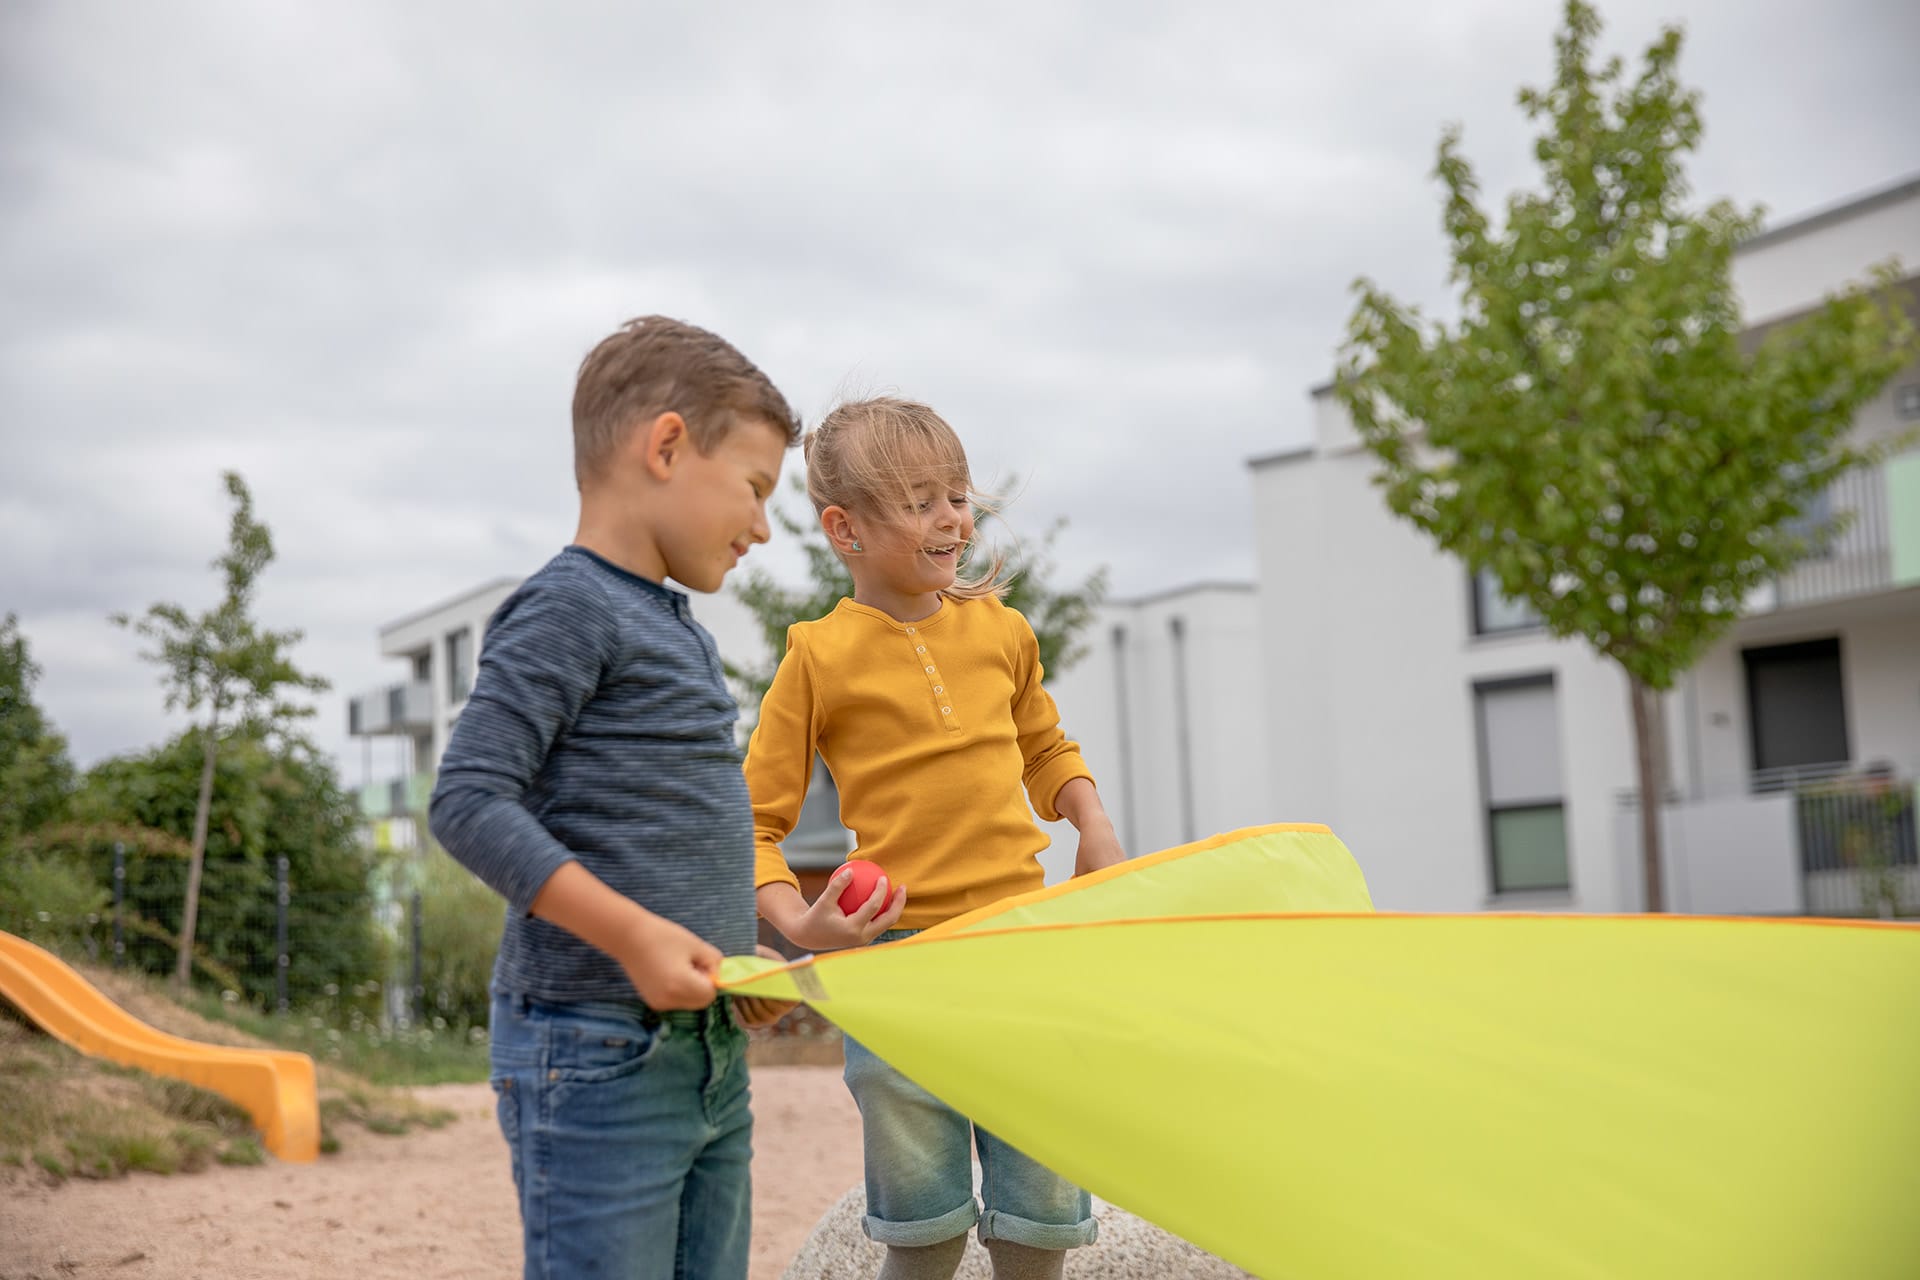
(995, 1225)
(913, 1235)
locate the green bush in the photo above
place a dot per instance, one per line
(50, 899)
(459, 935)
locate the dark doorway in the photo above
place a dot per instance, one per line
(1796, 705)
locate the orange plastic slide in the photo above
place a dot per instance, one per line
(275, 1087)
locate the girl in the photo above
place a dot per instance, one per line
(922, 693)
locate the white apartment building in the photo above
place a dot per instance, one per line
(1470, 761)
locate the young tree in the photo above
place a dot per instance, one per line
(1058, 615)
(1593, 430)
(224, 663)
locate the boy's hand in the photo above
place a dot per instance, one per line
(671, 967)
(753, 1012)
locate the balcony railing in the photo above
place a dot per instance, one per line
(397, 797)
(1832, 840)
(1879, 549)
(405, 708)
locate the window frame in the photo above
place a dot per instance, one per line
(456, 696)
(1476, 613)
(1490, 809)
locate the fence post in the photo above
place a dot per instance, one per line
(119, 901)
(282, 961)
(418, 990)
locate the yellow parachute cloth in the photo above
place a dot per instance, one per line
(1223, 1039)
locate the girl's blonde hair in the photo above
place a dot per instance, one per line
(867, 456)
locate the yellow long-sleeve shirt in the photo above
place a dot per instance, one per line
(930, 729)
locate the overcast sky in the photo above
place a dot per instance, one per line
(356, 251)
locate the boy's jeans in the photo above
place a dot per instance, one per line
(630, 1135)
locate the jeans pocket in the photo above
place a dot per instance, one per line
(589, 1050)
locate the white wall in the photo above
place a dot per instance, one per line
(1372, 666)
(1140, 775)
(1880, 664)
(1736, 855)
(1777, 277)
(1879, 420)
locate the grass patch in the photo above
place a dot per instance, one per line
(191, 1104)
(243, 1151)
(344, 1037)
(70, 1116)
(64, 1115)
(383, 1111)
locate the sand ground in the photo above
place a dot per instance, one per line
(423, 1206)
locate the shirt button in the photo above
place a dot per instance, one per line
(919, 648)
(939, 688)
(929, 670)
(909, 630)
(946, 711)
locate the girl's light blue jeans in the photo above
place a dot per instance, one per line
(919, 1161)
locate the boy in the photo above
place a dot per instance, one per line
(593, 781)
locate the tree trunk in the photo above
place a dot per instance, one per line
(1648, 740)
(189, 917)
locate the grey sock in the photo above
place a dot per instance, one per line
(924, 1262)
(1024, 1262)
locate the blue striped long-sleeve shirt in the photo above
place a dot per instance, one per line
(600, 729)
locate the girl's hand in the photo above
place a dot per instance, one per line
(1099, 847)
(751, 1013)
(824, 927)
(1080, 804)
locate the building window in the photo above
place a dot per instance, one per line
(1907, 402)
(1493, 613)
(459, 665)
(1519, 729)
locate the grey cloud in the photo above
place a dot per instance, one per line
(356, 252)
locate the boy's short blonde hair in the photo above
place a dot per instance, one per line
(654, 365)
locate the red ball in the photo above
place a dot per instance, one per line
(865, 876)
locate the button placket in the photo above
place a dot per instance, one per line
(930, 667)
